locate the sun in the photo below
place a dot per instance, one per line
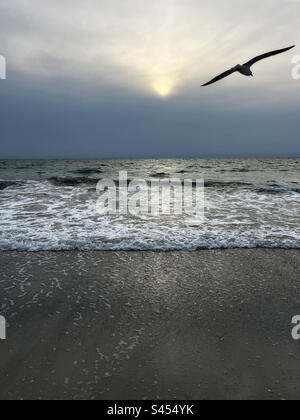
(162, 89)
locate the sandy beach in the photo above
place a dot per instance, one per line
(142, 325)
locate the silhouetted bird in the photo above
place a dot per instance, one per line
(245, 69)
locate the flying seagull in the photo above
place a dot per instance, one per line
(245, 69)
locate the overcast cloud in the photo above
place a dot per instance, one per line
(85, 78)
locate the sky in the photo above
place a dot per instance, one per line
(122, 79)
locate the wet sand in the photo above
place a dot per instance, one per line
(142, 325)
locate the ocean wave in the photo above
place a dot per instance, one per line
(28, 245)
(72, 182)
(92, 181)
(7, 184)
(87, 171)
(76, 181)
(277, 189)
(270, 189)
(229, 184)
(159, 175)
(243, 170)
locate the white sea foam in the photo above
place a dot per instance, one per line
(46, 215)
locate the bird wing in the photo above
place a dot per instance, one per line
(269, 54)
(221, 76)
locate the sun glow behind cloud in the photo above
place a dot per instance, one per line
(152, 48)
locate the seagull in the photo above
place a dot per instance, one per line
(245, 69)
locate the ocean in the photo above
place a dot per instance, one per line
(51, 205)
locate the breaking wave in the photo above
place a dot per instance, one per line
(51, 205)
